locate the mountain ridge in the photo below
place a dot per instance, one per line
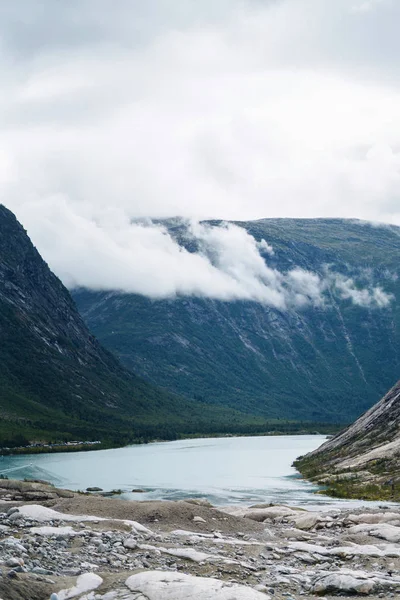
(317, 363)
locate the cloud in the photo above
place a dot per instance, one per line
(222, 262)
(368, 5)
(228, 109)
(367, 298)
(263, 246)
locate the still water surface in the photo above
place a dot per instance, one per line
(242, 470)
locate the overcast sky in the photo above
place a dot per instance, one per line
(231, 109)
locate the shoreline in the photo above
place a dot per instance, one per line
(87, 447)
(122, 549)
(328, 487)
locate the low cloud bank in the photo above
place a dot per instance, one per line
(224, 262)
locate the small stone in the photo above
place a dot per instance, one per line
(15, 516)
(12, 574)
(130, 543)
(15, 562)
(338, 583)
(41, 571)
(261, 588)
(12, 510)
(199, 520)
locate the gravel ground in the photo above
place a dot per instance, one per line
(113, 549)
(165, 515)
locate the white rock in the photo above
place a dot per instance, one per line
(347, 581)
(185, 553)
(137, 527)
(344, 551)
(261, 588)
(85, 583)
(296, 534)
(270, 513)
(199, 520)
(14, 543)
(260, 514)
(157, 585)
(370, 518)
(384, 531)
(59, 531)
(14, 562)
(342, 583)
(191, 554)
(44, 514)
(195, 534)
(269, 532)
(306, 520)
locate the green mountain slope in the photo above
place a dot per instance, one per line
(57, 381)
(318, 363)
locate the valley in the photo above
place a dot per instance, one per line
(321, 363)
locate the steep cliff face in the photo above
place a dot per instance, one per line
(364, 459)
(317, 363)
(55, 378)
(32, 296)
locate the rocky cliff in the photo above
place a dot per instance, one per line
(364, 459)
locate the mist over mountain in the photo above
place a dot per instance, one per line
(304, 327)
(313, 333)
(56, 379)
(228, 109)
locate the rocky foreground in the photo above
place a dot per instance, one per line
(61, 545)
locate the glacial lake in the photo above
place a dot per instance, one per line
(230, 470)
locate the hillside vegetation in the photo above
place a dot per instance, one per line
(56, 380)
(316, 363)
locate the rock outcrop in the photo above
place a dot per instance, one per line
(364, 459)
(19, 492)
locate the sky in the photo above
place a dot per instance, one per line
(112, 111)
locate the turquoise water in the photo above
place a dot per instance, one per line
(224, 470)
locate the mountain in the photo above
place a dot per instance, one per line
(318, 362)
(363, 461)
(57, 381)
